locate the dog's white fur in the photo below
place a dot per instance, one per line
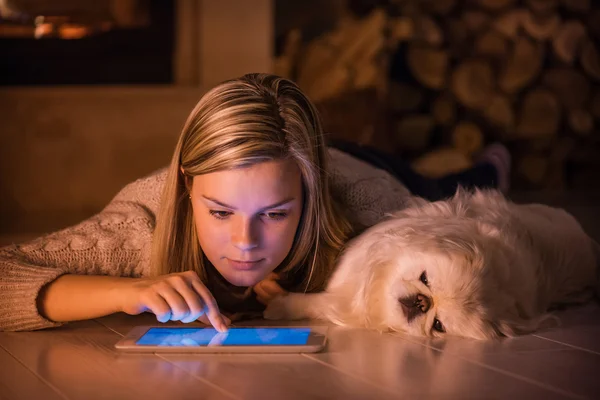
(494, 268)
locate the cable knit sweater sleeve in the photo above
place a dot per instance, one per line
(114, 242)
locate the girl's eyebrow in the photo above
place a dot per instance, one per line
(278, 204)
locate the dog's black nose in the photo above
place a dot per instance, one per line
(422, 302)
(414, 305)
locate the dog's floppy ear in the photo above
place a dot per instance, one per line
(355, 285)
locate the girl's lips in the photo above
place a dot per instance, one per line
(243, 265)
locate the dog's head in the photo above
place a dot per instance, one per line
(438, 270)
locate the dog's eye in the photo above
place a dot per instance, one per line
(437, 326)
(423, 278)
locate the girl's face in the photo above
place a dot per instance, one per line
(247, 218)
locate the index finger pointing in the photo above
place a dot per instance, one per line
(210, 306)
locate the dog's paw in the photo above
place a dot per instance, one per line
(277, 308)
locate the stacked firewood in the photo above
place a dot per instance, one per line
(450, 76)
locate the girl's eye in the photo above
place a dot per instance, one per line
(423, 279)
(219, 214)
(437, 326)
(276, 215)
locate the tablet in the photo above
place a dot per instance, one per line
(182, 339)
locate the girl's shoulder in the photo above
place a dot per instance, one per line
(367, 192)
(146, 190)
(346, 165)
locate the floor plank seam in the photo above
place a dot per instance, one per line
(569, 345)
(528, 380)
(201, 379)
(350, 374)
(109, 328)
(51, 386)
(511, 374)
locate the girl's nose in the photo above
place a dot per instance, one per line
(244, 235)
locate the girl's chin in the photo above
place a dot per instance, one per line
(244, 279)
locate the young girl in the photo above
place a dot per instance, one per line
(252, 205)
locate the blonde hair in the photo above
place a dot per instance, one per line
(241, 122)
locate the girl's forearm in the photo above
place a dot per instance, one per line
(80, 297)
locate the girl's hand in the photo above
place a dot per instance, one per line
(174, 297)
(267, 289)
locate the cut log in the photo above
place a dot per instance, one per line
(282, 66)
(542, 7)
(590, 59)
(413, 133)
(523, 65)
(570, 86)
(441, 162)
(428, 32)
(366, 75)
(473, 83)
(404, 97)
(443, 109)
(338, 80)
(313, 57)
(354, 117)
(370, 28)
(441, 7)
(577, 6)
(429, 66)
(581, 122)
(495, 5)
(467, 138)
(567, 41)
(335, 72)
(285, 64)
(368, 66)
(510, 23)
(322, 51)
(492, 44)
(342, 34)
(500, 113)
(533, 168)
(402, 29)
(475, 21)
(541, 27)
(540, 115)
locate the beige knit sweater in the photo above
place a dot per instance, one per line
(117, 240)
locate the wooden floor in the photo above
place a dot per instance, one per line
(78, 361)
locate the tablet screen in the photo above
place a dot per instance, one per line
(233, 337)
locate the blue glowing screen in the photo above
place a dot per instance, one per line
(233, 337)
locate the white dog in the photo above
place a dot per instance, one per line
(475, 265)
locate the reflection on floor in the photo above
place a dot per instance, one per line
(558, 363)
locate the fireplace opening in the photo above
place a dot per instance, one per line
(70, 42)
